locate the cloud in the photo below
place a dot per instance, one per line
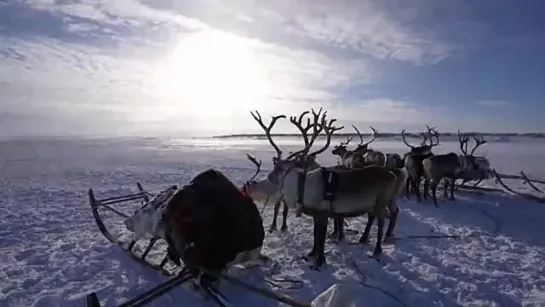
(171, 67)
(368, 27)
(494, 103)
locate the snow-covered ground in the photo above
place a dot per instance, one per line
(52, 254)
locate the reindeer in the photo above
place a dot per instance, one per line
(257, 189)
(334, 191)
(452, 166)
(370, 156)
(414, 158)
(363, 156)
(375, 157)
(344, 154)
(473, 167)
(265, 191)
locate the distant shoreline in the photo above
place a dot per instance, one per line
(379, 135)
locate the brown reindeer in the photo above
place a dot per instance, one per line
(334, 191)
(414, 158)
(452, 166)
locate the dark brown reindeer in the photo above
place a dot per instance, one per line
(413, 160)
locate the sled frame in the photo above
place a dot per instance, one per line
(177, 277)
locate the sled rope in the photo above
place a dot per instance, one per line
(363, 283)
(266, 293)
(159, 290)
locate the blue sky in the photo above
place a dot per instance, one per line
(167, 67)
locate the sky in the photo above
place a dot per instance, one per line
(180, 68)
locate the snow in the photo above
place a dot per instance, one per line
(52, 253)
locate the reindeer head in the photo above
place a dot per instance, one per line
(363, 147)
(424, 148)
(340, 150)
(301, 159)
(474, 167)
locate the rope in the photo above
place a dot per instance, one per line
(363, 283)
(296, 284)
(364, 278)
(263, 292)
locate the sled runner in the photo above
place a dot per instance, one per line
(152, 253)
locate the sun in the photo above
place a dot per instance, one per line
(212, 74)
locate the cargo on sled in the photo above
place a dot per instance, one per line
(193, 233)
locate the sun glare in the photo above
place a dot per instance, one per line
(213, 74)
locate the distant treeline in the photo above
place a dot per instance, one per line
(384, 135)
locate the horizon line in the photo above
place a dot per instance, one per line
(380, 134)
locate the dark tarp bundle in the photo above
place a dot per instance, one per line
(210, 221)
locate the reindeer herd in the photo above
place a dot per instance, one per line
(366, 181)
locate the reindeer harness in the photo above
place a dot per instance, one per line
(330, 184)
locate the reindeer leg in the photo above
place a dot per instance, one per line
(392, 224)
(275, 214)
(426, 188)
(365, 235)
(312, 253)
(408, 188)
(320, 224)
(416, 188)
(284, 226)
(445, 185)
(380, 233)
(434, 191)
(453, 181)
(340, 235)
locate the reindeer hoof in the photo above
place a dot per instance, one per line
(363, 239)
(318, 263)
(283, 228)
(272, 228)
(310, 256)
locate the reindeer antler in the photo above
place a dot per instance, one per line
(299, 124)
(329, 130)
(433, 132)
(405, 141)
(259, 120)
(257, 163)
(317, 127)
(463, 140)
(478, 142)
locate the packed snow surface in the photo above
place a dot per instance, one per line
(52, 253)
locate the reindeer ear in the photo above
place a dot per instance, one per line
(275, 160)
